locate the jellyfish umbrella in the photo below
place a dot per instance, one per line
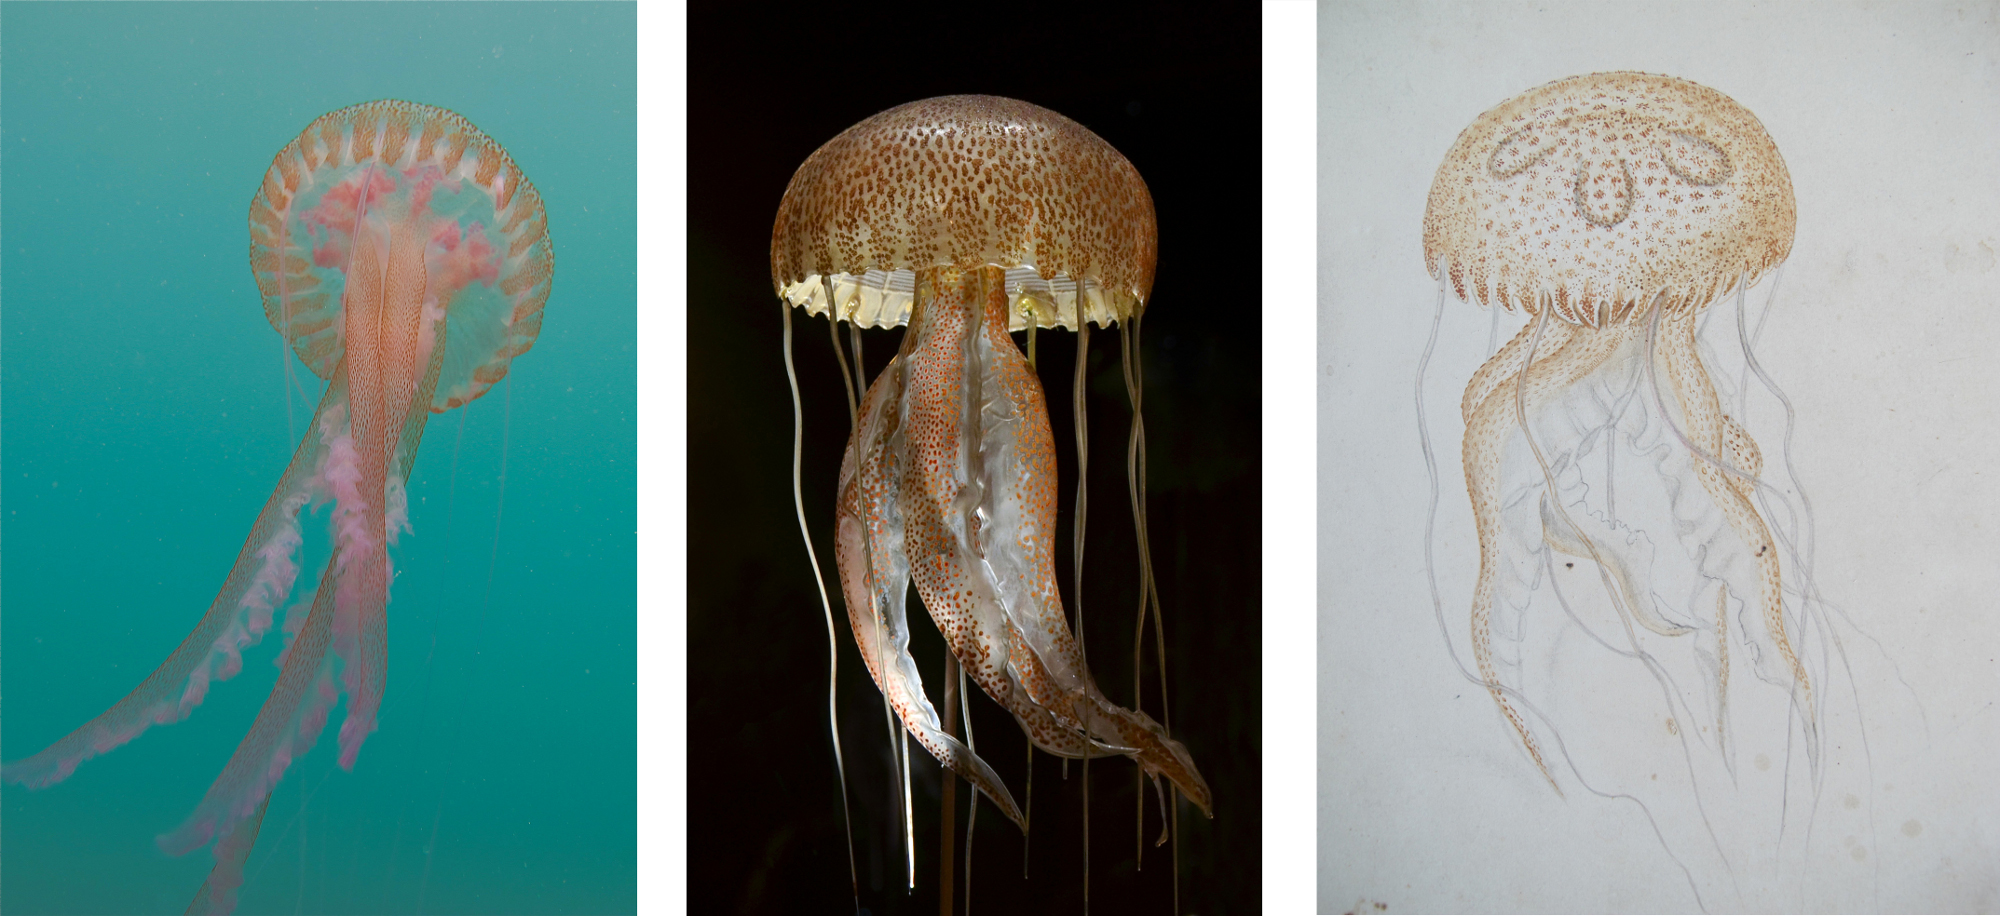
(406, 260)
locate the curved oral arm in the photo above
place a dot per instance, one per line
(875, 580)
(390, 317)
(217, 896)
(290, 722)
(263, 575)
(981, 506)
(1504, 365)
(1573, 352)
(1717, 437)
(286, 729)
(1016, 480)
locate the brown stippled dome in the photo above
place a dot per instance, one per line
(1601, 192)
(966, 180)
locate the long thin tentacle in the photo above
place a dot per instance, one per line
(1125, 346)
(860, 366)
(832, 640)
(1025, 834)
(972, 809)
(846, 377)
(954, 677)
(1171, 826)
(909, 818)
(1079, 391)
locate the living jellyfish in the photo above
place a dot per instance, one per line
(405, 259)
(961, 219)
(1645, 573)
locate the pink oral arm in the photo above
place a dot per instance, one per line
(265, 570)
(286, 728)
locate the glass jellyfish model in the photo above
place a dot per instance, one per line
(1633, 542)
(965, 218)
(406, 260)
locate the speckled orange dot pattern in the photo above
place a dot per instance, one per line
(978, 507)
(967, 181)
(950, 363)
(875, 580)
(1601, 192)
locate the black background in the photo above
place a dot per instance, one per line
(1175, 88)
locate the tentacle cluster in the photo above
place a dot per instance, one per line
(949, 483)
(1614, 208)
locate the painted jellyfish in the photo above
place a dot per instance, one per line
(1615, 490)
(406, 260)
(965, 218)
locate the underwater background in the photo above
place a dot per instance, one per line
(144, 419)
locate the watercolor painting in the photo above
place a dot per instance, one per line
(1635, 519)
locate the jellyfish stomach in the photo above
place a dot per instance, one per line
(1719, 438)
(1573, 353)
(875, 580)
(979, 498)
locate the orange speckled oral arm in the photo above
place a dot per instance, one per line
(875, 580)
(942, 406)
(980, 513)
(1708, 428)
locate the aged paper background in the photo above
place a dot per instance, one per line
(1883, 335)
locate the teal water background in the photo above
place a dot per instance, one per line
(144, 420)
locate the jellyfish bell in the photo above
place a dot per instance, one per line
(967, 181)
(963, 218)
(1619, 500)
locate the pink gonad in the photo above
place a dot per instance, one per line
(406, 260)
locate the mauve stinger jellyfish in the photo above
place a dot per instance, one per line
(965, 218)
(406, 260)
(1628, 526)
